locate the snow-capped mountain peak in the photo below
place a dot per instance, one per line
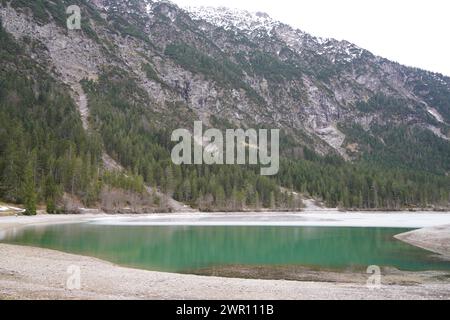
(234, 19)
(260, 23)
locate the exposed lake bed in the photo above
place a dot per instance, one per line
(420, 284)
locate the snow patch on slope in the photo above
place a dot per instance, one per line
(231, 19)
(435, 114)
(11, 209)
(261, 23)
(437, 132)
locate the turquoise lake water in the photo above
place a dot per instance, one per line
(186, 249)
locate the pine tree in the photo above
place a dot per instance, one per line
(219, 196)
(29, 191)
(169, 181)
(375, 196)
(360, 201)
(50, 194)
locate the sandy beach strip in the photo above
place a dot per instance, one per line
(34, 273)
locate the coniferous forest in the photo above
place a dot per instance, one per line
(44, 151)
(130, 130)
(46, 157)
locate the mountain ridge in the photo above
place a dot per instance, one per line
(147, 67)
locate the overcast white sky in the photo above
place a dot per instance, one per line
(412, 32)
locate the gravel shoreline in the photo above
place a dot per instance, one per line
(435, 239)
(34, 273)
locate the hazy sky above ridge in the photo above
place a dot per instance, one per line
(411, 32)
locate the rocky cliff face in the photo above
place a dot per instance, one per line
(233, 67)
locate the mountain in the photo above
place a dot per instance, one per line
(358, 130)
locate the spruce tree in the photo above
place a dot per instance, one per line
(29, 190)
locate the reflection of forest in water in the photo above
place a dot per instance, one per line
(178, 249)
